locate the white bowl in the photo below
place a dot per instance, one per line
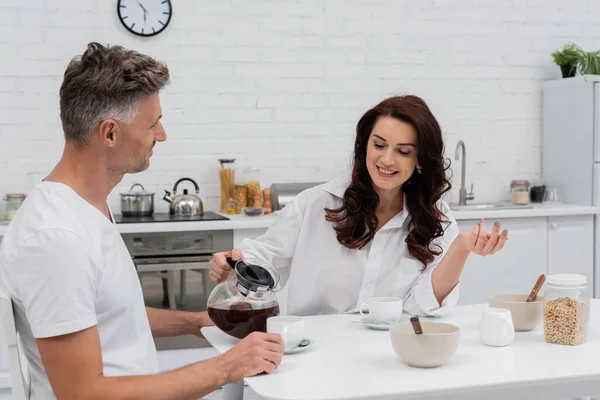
(434, 347)
(525, 316)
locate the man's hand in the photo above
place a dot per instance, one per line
(168, 323)
(203, 320)
(257, 353)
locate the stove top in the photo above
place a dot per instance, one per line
(166, 217)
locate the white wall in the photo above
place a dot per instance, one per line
(280, 84)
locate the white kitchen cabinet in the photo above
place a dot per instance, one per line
(514, 269)
(570, 246)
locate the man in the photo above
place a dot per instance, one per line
(78, 303)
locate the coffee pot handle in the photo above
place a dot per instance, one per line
(232, 263)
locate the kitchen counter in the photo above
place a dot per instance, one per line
(537, 210)
(235, 222)
(242, 222)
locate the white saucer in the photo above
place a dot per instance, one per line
(300, 349)
(379, 326)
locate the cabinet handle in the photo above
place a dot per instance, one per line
(553, 225)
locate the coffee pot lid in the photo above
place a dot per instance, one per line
(251, 278)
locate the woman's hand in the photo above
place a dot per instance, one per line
(220, 268)
(482, 242)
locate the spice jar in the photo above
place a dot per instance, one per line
(520, 192)
(231, 206)
(267, 201)
(566, 309)
(13, 202)
(257, 198)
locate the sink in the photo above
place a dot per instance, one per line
(489, 206)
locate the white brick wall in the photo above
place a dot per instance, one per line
(280, 84)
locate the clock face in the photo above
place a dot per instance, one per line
(144, 17)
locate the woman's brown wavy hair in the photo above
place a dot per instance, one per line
(355, 221)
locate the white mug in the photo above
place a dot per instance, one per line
(496, 327)
(383, 309)
(291, 330)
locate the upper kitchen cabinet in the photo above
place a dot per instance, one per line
(570, 245)
(514, 269)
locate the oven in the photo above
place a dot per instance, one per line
(173, 268)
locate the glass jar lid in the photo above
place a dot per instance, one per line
(15, 196)
(519, 183)
(227, 161)
(567, 280)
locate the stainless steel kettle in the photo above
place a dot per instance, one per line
(184, 204)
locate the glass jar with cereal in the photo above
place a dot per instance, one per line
(566, 309)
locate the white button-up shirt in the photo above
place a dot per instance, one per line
(325, 277)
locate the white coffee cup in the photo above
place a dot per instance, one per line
(496, 327)
(383, 309)
(290, 328)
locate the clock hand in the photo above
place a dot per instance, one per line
(145, 11)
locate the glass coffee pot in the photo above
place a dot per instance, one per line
(242, 303)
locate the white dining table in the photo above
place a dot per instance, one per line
(347, 360)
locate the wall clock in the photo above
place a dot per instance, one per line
(145, 17)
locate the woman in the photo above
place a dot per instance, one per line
(382, 230)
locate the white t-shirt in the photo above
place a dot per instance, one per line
(66, 268)
(324, 277)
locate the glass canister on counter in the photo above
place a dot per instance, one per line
(13, 202)
(520, 192)
(227, 181)
(252, 179)
(566, 309)
(240, 198)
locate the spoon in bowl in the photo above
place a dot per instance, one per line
(416, 325)
(536, 289)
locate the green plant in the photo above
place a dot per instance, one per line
(589, 63)
(576, 59)
(569, 55)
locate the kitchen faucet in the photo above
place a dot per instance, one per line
(463, 195)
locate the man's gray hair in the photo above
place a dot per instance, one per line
(106, 83)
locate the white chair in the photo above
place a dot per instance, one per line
(19, 368)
